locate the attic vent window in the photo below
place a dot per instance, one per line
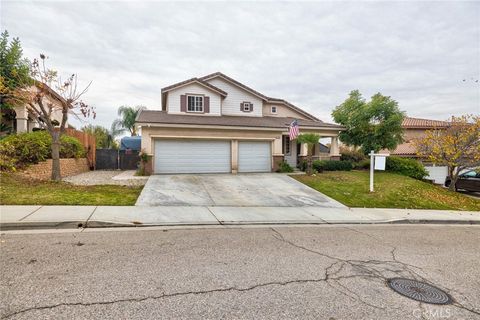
(274, 109)
(247, 106)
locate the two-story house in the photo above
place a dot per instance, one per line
(215, 124)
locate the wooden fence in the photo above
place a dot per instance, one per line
(88, 142)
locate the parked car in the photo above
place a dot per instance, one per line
(469, 181)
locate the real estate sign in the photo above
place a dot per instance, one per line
(380, 162)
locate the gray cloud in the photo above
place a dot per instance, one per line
(310, 53)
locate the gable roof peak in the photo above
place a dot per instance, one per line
(258, 94)
(197, 80)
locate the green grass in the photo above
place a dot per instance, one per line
(391, 191)
(15, 190)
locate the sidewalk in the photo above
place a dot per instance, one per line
(28, 217)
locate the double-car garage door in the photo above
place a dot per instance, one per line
(210, 156)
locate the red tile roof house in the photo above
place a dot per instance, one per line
(215, 124)
(414, 128)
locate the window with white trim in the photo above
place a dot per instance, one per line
(194, 103)
(273, 109)
(247, 106)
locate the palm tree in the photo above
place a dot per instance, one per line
(104, 138)
(127, 119)
(310, 139)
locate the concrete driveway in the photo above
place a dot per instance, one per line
(242, 190)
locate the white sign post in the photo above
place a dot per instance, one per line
(377, 162)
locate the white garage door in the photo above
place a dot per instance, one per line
(192, 156)
(254, 156)
(437, 174)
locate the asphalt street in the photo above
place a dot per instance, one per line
(279, 272)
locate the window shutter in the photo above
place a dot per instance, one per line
(183, 103)
(251, 107)
(206, 104)
(241, 106)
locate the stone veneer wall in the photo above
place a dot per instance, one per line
(68, 167)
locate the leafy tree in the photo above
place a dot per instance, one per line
(42, 101)
(127, 119)
(14, 73)
(458, 146)
(372, 125)
(104, 138)
(310, 139)
(14, 70)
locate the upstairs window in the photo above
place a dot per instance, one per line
(273, 109)
(247, 106)
(194, 103)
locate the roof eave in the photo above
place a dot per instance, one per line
(194, 80)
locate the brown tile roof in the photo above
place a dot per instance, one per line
(406, 148)
(162, 117)
(262, 96)
(423, 123)
(200, 81)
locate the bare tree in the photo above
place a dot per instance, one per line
(43, 102)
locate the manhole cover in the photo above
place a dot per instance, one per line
(419, 291)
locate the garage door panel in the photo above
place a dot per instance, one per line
(192, 156)
(254, 156)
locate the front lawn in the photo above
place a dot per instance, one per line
(15, 190)
(391, 191)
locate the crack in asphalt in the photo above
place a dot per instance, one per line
(162, 296)
(372, 269)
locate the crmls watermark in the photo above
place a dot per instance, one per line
(440, 313)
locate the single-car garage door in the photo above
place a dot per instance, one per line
(192, 156)
(254, 156)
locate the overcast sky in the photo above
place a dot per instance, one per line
(311, 53)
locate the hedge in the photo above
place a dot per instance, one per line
(331, 165)
(19, 150)
(407, 167)
(351, 155)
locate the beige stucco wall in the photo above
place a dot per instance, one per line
(282, 111)
(410, 134)
(151, 133)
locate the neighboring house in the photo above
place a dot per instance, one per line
(20, 120)
(415, 128)
(216, 124)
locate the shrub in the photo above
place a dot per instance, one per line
(27, 148)
(351, 155)
(284, 167)
(6, 162)
(71, 148)
(18, 150)
(364, 164)
(302, 165)
(329, 165)
(408, 167)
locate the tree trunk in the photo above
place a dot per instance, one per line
(309, 165)
(56, 174)
(453, 178)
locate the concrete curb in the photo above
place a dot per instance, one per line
(109, 224)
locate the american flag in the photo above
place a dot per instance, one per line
(293, 130)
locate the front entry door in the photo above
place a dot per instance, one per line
(290, 151)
